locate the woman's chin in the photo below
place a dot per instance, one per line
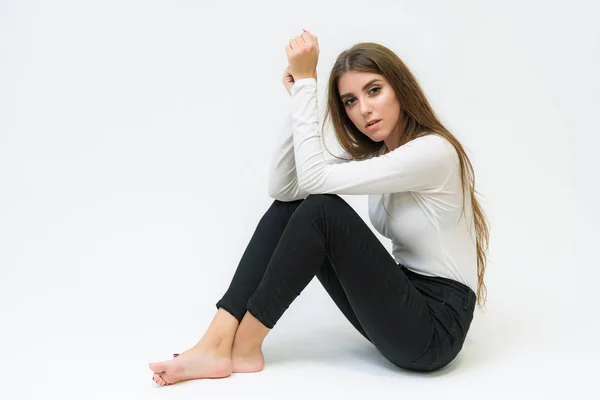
(378, 136)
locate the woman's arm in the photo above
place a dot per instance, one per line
(283, 181)
(423, 164)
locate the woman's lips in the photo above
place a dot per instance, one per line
(374, 126)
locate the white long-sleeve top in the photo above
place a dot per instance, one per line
(415, 191)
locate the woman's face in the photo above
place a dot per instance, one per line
(365, 100)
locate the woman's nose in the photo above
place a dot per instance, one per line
(365, 109)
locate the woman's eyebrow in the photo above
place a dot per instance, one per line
(363, 88)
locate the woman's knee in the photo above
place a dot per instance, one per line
(281, 210)
(323, 200)
(319, 205)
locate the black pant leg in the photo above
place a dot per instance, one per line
(255, 258)
(392, 312)
(330, 281)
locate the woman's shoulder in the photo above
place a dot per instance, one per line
(433, 142)
(436, 146)
(432, 138)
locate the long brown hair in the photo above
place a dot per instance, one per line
(419, 120)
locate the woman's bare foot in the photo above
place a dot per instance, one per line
(242, 364)
(156, 377)
(195, 363)
(247, 361)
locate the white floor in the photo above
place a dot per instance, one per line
(511, 350)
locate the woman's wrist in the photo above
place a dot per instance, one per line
(297, 78)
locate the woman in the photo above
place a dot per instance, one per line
(416, 306)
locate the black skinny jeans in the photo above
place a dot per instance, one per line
(416, 322)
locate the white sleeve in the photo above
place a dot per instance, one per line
(420, 165)
(283, 181)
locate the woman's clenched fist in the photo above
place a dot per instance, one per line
(303, 55)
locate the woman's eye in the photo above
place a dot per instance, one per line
(369, 92)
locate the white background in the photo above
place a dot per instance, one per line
(135, 141)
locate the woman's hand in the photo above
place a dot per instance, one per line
(303, 55)
(288, 80)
